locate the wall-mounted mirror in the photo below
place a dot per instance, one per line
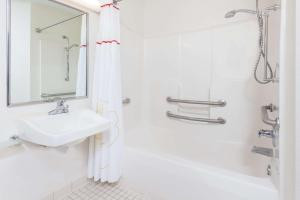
(48, 52)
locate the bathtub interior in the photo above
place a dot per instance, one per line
(234, 156)
(163, 178)
(188, 50)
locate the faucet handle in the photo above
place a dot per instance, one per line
(60, 102)
(266, 133)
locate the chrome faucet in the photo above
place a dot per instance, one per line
(274, 123)
(60, 108)
(263, 151)
(266, 133)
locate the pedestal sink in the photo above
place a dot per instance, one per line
(62, 129)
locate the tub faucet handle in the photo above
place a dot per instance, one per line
(266, 133)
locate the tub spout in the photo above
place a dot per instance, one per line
(263, 151)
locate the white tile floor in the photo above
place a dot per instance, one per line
(104, 191)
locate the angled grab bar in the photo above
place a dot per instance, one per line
(220, 103)
(196, 119)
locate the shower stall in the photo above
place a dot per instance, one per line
(202, 87)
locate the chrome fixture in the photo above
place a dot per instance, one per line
(196, 119)
(263, 23)
(14, 137)
(274, 7)
(68, 48)
(266, 133)
(265, 116)
(263, 151)
(269, 170)
(234, 12)
(40, 30)
(60, 108)
(220, 103)
(126, 101)
(274, 133)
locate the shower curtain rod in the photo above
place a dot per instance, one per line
(39, 30)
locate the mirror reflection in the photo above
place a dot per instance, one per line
(47, 51)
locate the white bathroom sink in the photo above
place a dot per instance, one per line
(61, 129)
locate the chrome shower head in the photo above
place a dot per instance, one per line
(234, 12)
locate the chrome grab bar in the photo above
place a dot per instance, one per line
(196, 119)
(220, 103)
(126, 101)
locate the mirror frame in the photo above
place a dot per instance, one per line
(8, 68)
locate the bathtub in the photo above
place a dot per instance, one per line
(166, 174)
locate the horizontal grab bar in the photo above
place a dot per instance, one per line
(196, 119)
(220, 103)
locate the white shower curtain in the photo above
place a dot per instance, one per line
(105, 149)
(81, 69)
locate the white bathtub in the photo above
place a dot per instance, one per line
(177, 176)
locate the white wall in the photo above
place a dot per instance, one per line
(132, 56)
(28, 172)
(173, 16)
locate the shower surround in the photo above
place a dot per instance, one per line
(189, 51)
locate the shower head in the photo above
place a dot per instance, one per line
(65, 37)
(234, 12)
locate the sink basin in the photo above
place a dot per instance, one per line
(62, 129)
